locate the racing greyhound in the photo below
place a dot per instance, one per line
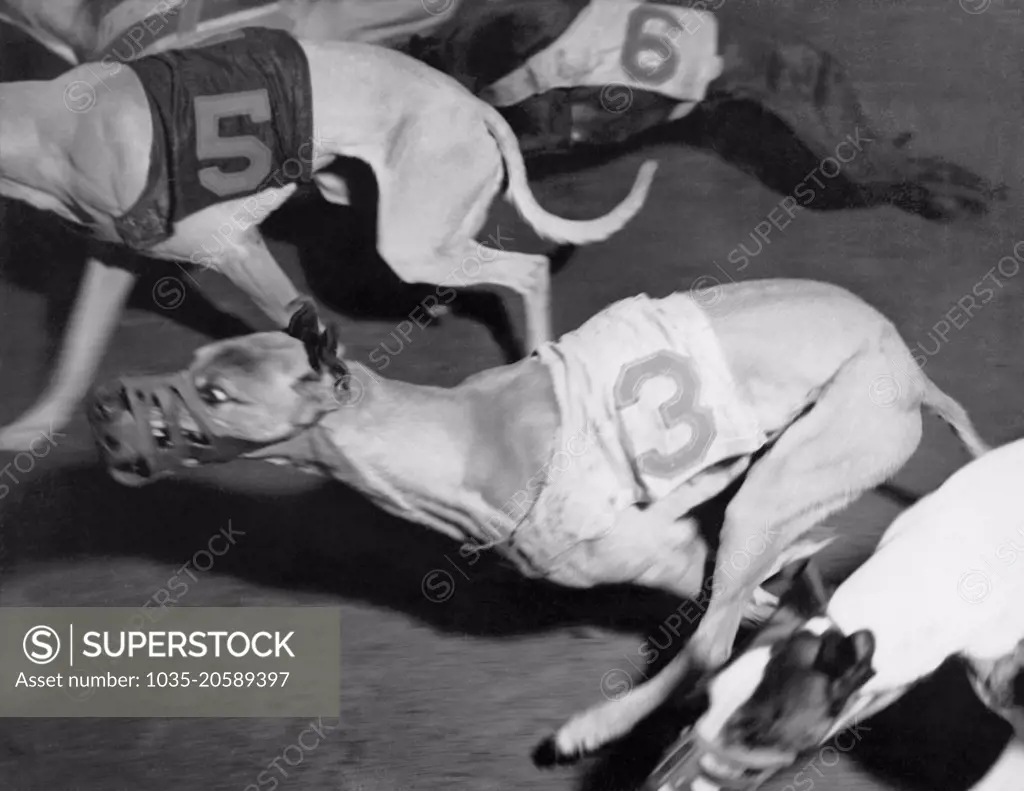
(572, 75)
(580, 464)
(182, 154)
(919, 600)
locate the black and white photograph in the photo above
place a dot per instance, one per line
(511, 395)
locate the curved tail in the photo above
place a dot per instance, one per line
(953, 413)
(558, 229)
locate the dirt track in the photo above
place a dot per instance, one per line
(452, 695)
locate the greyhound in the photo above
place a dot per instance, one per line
(578, 75)
(651, 407)
(550, 59)
(918, 601)
(76, 30)
(86, 145)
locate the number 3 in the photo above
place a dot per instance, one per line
(210, 145)
(680, 409)
(639, 41)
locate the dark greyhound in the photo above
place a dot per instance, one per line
(776, 74)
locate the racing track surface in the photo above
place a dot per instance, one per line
(453, 695)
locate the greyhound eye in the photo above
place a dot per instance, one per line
(212, 395)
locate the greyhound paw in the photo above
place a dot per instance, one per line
(589, 731)
(946, 192)
(437, 311)
(546, 755)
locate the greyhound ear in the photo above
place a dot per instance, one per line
(847, 660)
(305, 326)
(330, 351)
(324, 349)
(862, 643)
(805, 592)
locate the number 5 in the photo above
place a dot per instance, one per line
(680, 409)
(639, 41)
(210, 145)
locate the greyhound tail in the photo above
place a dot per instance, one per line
(558, 229)
(953, 413)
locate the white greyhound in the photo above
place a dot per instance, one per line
(581, 464)
(943, 582)
(86, 145)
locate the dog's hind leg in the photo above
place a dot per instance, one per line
(528, 275)
(1006, 773)
(845, 445)
(1000, 686)
(434, 201)
(94, 317)
(811, 92)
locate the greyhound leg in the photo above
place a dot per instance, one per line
(427, 240)
(252, 268)
(528, 275)
(842, 447)
(808, 89)
(1006, 773)
(996, 683)
(95, 314)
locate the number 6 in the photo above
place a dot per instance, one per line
(209, 111)
(639, 41)
(680, 409)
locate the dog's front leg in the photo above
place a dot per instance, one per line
(599, 725)
(251, 267)
(97, 309)
(732, 590)
(612, 719)
(746, 558)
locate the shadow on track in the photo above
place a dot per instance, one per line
(326, 540)
(740, 133)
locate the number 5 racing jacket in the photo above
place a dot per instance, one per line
(231, 118)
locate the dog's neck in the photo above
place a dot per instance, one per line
(34, 140)
(449, 458)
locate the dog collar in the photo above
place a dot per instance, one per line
(163, 429)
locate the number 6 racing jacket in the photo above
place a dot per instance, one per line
(625, 45)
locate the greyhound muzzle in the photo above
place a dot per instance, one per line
(150, 427)
(693, 764)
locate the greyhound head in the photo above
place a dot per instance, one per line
(237, 397)
(778, 697)
(785, 694)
